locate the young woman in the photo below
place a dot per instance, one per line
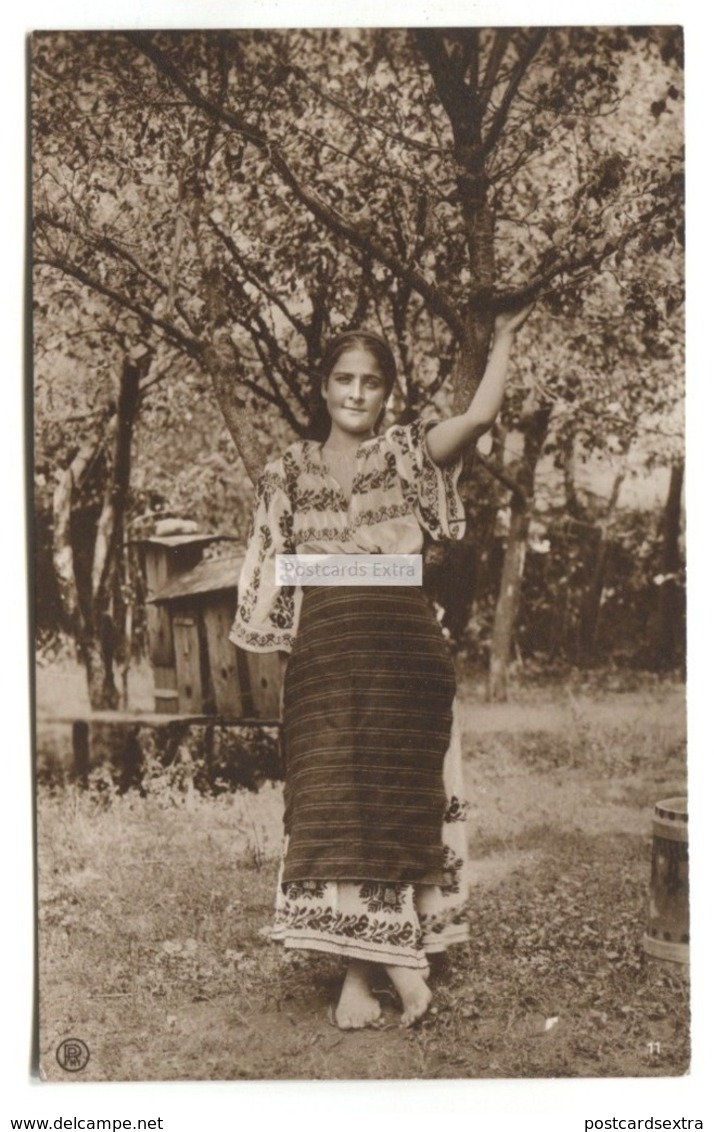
(373, 867)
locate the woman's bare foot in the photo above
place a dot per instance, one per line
(413, 991)
(357, 1006)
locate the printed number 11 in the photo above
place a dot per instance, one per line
(653, 1048)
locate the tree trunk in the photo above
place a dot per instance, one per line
(69, 483)
(568, 441)
(467, 572)
(92, 622)
(668, 609)
(508, 598)
(96, 654)
(592, 599)
(100, 638)
(220, 363)
(536, 428)
(219, 360)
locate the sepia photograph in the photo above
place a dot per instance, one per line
(358, 553)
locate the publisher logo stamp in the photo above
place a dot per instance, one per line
(72, 1055)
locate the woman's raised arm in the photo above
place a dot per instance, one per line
(446, 440)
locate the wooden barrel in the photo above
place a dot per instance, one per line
(667, 934)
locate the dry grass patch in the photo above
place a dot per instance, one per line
(154, 913)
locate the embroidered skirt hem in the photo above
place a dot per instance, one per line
(387, 954)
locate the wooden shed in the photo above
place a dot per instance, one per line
(212, 676)
(162, 559)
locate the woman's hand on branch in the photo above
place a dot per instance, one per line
(509, 322)
(447, 440)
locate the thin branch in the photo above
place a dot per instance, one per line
(501, 40)
(105, 243)
(356, 236)
(253, 277)
(579, 268)
(191, 345)
(405, 178)
(532, 47)
(364, 119)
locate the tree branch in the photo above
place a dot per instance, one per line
(458, 100)
(501, 476)
(501, 40)
(191, 346)
(356, 236)
(104, 243)
(254, 277)
(361, 118)
(533, 45)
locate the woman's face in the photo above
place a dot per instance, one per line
(355, 392)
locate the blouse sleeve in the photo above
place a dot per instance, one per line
(432, 488)
(266, 618)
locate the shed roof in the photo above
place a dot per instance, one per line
(207, 577)
(180, 540)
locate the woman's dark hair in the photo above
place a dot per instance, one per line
(374, 344)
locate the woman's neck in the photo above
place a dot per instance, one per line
(347, 442)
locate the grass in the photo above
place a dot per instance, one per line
(577, 996)
(154, 913)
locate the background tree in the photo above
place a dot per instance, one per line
(242, 195)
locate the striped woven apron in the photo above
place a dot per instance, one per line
(369, 689)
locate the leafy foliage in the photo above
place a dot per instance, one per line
(228, 199)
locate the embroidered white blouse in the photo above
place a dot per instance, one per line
(398, 492)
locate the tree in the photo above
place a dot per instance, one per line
(312, 180)
(668, 610)
(90, 484)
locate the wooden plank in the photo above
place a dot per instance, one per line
(150, 718)
(165, 688)
(188, 663)
(265, 680)
(161, 564)
(248, 710)
(161, 642)
(223, 659)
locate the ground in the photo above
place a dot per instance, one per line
(154, 914)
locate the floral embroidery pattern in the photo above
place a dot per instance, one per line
(299, 889)
(436, 924)
(374, 480)
(350, 926)
(265, 641)
(456, 809)
(353, 918)
(453, 868)
(383, 897)
(367, 518)
(398, 493)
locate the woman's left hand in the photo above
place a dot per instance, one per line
(508, 322)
